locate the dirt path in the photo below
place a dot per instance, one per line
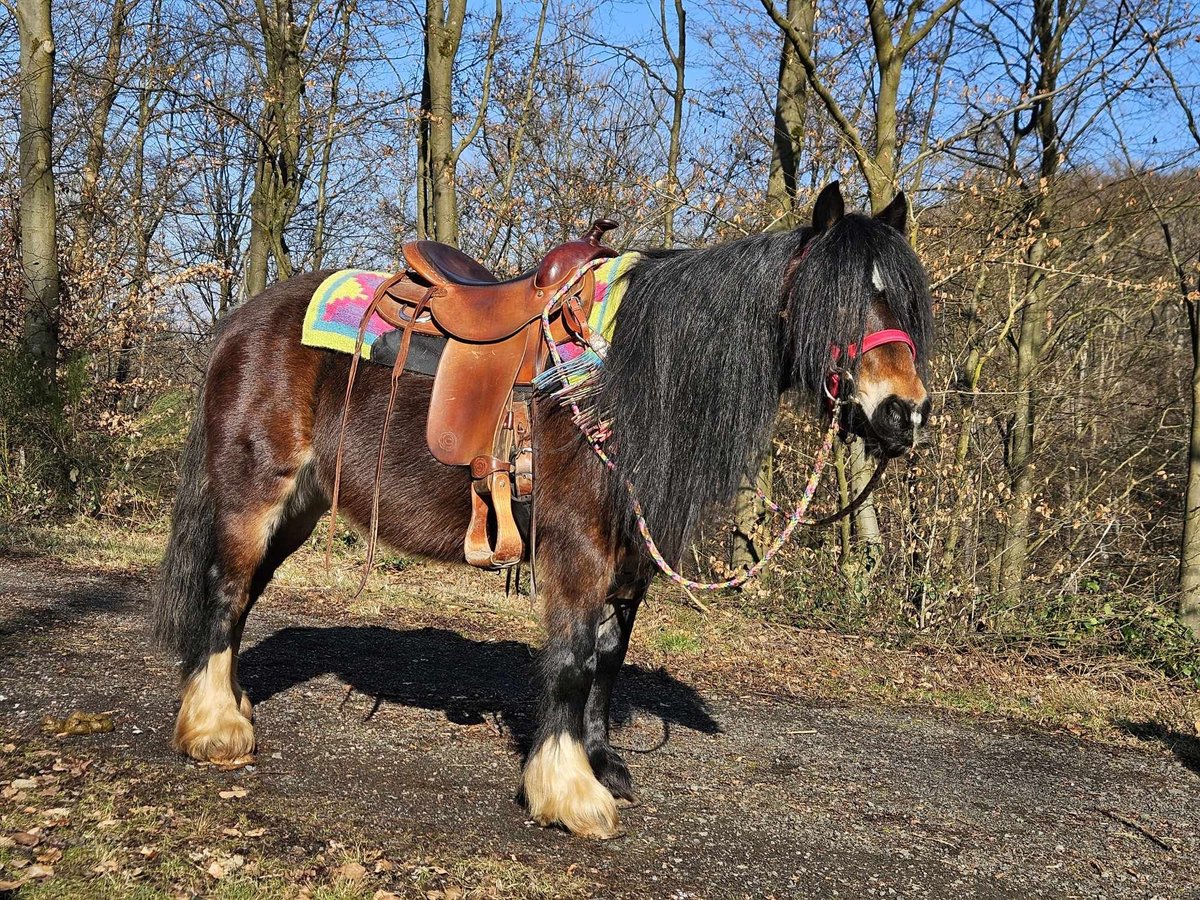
(409, 737)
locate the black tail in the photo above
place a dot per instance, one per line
(183, 601)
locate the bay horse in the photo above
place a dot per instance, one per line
(705, 345)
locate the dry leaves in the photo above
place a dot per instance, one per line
(220, 868)
(352, 871)
(237, 791)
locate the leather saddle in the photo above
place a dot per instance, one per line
(481, 409)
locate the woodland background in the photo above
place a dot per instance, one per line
(164, 160)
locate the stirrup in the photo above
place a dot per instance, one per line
(497, 484)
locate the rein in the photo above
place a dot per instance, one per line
(594, 434)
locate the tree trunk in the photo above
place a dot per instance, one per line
(1015, 553)
(38, 217)
(678, 57)
(1049, 25)
(750, 534)
(1189, 555)
(437, 199)
(331, 129)
(89, 176)
(277, 177)
(791, 112)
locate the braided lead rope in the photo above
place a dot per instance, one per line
(799, 515)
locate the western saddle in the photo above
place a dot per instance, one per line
(481, 411)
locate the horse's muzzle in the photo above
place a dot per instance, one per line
(896, 424)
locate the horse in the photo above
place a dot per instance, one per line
(707, 342)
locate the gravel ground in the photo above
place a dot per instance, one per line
(415, 733)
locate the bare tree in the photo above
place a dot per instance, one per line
(437, 151)
(38, 213)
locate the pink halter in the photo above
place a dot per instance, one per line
(869, 342)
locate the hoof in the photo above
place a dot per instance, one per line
(213, 723)
(561, 790)
(223, 736)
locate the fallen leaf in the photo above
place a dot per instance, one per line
(39, 871)
(12, 885)
(216, 870)
(26, 838)
(256, 832)
(52, 855)
(23, 784)
(352, 871)
(384, 895)
(9, 748)
(384, 865)
(233, 863)
(452, 893)
(236, 791)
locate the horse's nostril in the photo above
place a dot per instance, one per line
(896, 413)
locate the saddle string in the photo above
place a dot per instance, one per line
(341, 444)
(397, 371)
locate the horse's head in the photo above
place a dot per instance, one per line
(861, 321)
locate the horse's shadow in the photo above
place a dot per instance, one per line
(1186, 747)
(433, 668)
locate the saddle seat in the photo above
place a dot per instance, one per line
(480, 411)
(471, 304)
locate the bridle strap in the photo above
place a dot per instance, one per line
(856, 502)
(877, 339)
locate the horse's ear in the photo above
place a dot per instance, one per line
(896, 213)
(829, 208)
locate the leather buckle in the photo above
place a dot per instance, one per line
(483, 466)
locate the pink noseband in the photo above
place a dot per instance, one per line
(869, 342)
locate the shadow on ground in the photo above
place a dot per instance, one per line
(434, 668)
(101, 594)
(1186, 747)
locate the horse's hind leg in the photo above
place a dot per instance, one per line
(559, 784)
(612, 642)
(303, 510)
(262, 514)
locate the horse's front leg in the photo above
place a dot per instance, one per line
(616, 625)
(559, 784)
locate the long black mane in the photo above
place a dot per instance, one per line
(705, 342)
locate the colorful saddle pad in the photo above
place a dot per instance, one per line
(338, 304)
(337, 308)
